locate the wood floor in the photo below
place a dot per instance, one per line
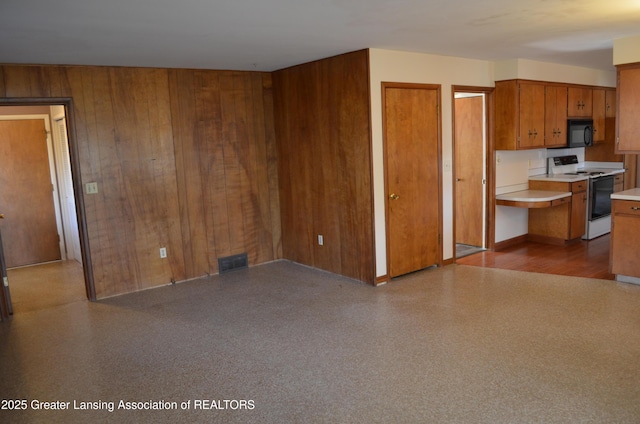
(582, 259)
(45, 286)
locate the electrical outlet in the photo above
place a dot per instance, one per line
(163, 252)
(320, 240)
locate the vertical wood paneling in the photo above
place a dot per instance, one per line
(271, 159)
(179, 158)
(323, 131)
(222, 202)
(3, 89)
(186, 154)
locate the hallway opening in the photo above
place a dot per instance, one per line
(39, 274)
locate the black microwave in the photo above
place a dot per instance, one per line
(579, 132)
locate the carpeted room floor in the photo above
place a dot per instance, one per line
(458, 344)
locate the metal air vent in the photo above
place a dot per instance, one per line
(232, 263)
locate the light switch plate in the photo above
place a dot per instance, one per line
(92, 188)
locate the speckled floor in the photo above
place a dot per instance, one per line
(282, 343)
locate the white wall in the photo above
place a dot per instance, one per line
(552, 72)
(625, 50)
(397, 66)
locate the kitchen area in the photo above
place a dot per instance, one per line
(562, 177)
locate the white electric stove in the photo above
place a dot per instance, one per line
(600, 176)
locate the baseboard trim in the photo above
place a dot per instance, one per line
(510, 242)
(383, 279)
(546, 240)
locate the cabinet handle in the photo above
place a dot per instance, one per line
(635, 208)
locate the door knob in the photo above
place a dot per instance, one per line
(1, 216)
(394, 196)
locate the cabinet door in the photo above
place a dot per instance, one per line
(599, 110)
(627, 110)
(610, 103)
(555, 122)
(618, 183)
(578, 215)
(580, 103)
(531, 129)
(625, 244)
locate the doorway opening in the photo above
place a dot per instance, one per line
(472, 114)
(44, 233)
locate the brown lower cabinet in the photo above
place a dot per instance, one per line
(618, 183)
(559, 224)
(625, 242)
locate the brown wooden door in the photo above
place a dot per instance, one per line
(26, 195)
(412, 157)
(469, 155)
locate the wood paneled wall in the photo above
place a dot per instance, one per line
(184, 159)
(324, 145)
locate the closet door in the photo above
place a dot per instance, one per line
(413, 179)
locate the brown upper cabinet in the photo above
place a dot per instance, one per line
(628, 109)
(520, 115)
(599, 113)
(533, 114)
(610, 103)
(580, 103)
(555, 116)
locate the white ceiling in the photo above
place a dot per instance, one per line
(274, 34)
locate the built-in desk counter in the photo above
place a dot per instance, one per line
(533, 199)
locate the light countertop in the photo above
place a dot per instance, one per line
(533, 196)
(563, 178)
(632, 194)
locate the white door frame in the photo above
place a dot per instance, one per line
(65, 182)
